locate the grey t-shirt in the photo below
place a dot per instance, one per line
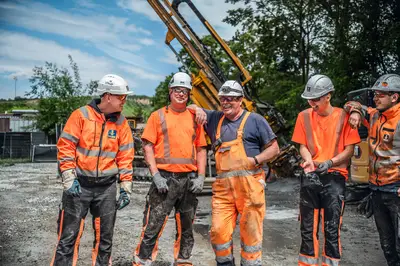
(257, 131)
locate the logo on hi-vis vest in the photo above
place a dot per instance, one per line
(112, 134)
(386, 138)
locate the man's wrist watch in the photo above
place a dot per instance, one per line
(255, 159)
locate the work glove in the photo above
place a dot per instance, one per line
(311, 180)
(124, 194)
(197, 184)
(365, 207)
(323, 167)
(160, 182)
(71, 184)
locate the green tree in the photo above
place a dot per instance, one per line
(160, 98)
(60, 93)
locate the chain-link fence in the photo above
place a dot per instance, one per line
(19, 144)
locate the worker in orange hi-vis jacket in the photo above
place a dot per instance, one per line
(384, 163)
(326, 145)
(95, 150)
(174, 146)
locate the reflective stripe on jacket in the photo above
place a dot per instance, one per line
(384, 144)
(98, 148)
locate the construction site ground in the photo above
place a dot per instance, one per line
(30, 195)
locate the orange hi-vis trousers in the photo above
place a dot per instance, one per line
(238, 189)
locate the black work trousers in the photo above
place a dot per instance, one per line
(158, 207)
(386, 207)
(323, 203)
(101, 201)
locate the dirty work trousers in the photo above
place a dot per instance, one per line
(386, 213)
(326, 204)
(101, 201)
(232, 196)
(158, 207)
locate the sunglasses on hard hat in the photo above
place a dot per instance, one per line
(180, 90)
(382, 94)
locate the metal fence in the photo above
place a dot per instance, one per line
(20, 144)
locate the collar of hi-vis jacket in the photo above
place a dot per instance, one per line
(113, 117)
(392, 112)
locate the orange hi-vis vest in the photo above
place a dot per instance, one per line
(175, 137)
(325, 137)
(98, 148)
(384, 146)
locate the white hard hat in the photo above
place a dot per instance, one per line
(231, 88)
(180, 79)
(317, 86)
(388, 83)
(113, 84)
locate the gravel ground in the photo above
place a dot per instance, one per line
(30, 195)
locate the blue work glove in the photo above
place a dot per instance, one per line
(71, 184)
(124, 194)
(323, 167)
(197, 184)
(160, 182)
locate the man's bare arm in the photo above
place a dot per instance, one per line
(344, 156)
(308, 164)
(201, 160)
(201, 116)
(271, 150)
(148, 148)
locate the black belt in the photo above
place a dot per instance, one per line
(178, 174)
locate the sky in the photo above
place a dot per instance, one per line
(124, 37)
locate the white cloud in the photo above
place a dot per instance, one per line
(86, 3)
(139, 6)
(19, 53)
(143, 74)
(170, 58)
(213, 11)
(110, 32)
(147, 41)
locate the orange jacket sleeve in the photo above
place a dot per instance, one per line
(299, 134)
(125, 154)
(69, 139)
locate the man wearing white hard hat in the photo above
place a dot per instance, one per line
(326, 145)
(242, 142)
(95, 151)
(174, 147)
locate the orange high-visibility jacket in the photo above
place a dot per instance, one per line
(99, 148)
(384, 146)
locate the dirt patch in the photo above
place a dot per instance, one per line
(30, 195)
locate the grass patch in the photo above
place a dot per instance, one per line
(9, 162)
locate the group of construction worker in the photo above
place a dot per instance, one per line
(96, 150)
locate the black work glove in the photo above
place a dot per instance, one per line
(124, 194)
(311, 180)
(365, 207)
(123, 199)
(323, 167)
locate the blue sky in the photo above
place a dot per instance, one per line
(124, 37)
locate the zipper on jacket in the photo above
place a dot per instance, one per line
(376, 156)
(100, 142)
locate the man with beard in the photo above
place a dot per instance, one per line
(326, 146)
(174, 147)
(384, 162)
(242, 142)
(95, 150)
